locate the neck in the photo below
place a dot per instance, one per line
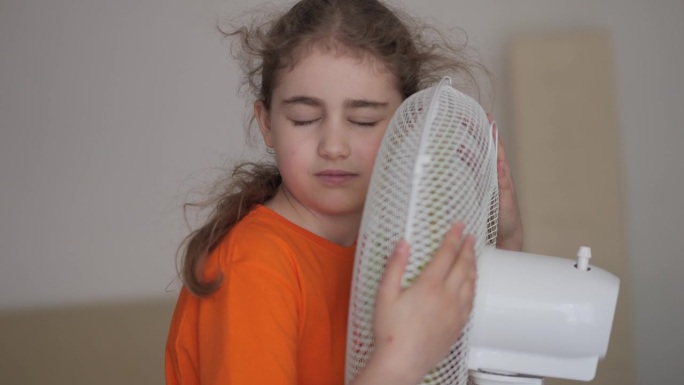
(339, 228)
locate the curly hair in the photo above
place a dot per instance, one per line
(416, 54)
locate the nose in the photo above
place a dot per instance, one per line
(334, 141)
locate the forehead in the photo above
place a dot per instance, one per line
(322, 71)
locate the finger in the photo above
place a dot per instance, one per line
(463, 270)
(443, 258)
(390, 285)
(506, 178)
(500, 151)
(502, 168)
(503, 175)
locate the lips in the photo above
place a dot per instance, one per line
(335, 177)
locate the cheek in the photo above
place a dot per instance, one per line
(370, 149)
(287, 156)
(375, 142)
(285, 143)
(292, 154)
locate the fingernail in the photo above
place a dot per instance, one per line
(471, 238)
(403, 246)
(457, 230)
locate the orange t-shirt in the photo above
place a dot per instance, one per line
(279, 316)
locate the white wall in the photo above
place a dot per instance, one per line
(107, 110)
(111, 110)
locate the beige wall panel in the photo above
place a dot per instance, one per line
(568, 165)
(104, 344)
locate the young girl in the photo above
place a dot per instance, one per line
(267, 278)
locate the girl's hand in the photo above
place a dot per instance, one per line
(509, 229)
(415, 328)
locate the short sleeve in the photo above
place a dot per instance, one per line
(278, 317)
(248, 329)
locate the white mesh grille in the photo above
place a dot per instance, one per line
(436, 165)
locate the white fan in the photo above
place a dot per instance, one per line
(534, 316)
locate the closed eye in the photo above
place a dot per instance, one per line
(365, 124)
(305, 122)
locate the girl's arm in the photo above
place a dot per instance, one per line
(510, 228)
(246, 331)
(414, 328)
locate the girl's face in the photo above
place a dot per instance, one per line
(327, 119)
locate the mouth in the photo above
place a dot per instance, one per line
(335, 177)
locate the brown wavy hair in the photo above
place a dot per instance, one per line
(418, 55)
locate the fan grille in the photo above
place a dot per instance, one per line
(436, 165)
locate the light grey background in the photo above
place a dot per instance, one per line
(111, 111)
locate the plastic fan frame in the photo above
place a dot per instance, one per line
(436, 165)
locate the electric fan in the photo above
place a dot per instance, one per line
(534, 316)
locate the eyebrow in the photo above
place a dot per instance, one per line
(306, 100)
(363, 103)
(349, 103)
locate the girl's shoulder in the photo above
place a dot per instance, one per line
(258, 241)
(263, 227)
(263, 233)
(264, 237)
